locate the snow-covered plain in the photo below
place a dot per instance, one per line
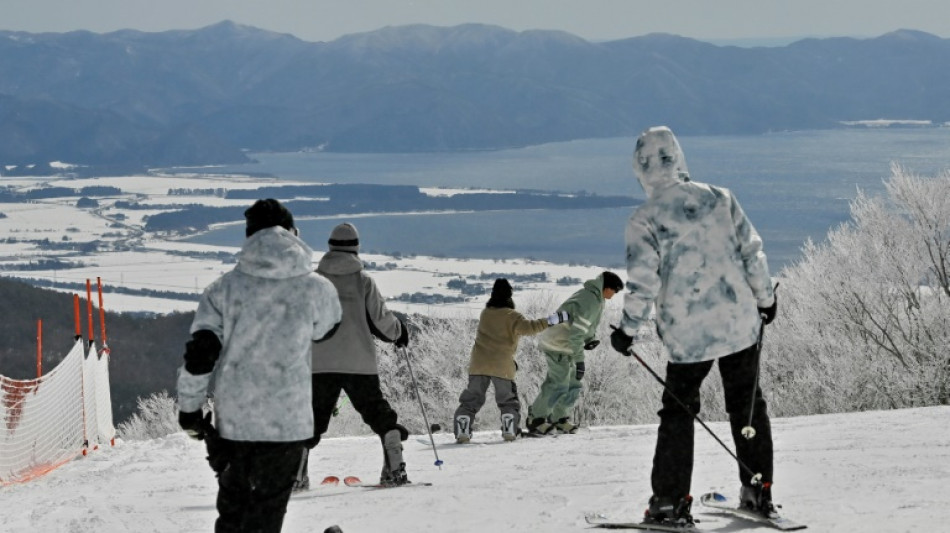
(863, 472)
(129, 257)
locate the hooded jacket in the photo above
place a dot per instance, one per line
(585, 308)
(693, 253)
(266, 313)
(496, 341)
(352, 350)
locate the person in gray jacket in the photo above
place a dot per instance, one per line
(694, 255)
(251, 339)
(347, 361)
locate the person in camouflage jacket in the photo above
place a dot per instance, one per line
(694, 256)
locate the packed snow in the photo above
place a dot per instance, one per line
(881, 471)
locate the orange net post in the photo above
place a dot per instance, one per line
(102, 317)
(89, 307)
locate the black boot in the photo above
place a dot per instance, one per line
(669, 511)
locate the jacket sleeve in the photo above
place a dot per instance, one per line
(643, 274)
(201, 353)
(753, 258)
(523, 326)
(329, 311)
(384, 324)
(581, 326)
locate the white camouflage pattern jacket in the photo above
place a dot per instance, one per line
(691, 252)
(266, 312)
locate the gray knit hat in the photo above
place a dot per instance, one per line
(345, 238)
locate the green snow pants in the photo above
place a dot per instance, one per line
(560, 389)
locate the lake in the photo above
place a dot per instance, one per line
(792, 185)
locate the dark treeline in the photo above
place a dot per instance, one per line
(336, 199)
(146, 350)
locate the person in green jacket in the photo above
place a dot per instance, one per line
(493, 362)
(563, 347)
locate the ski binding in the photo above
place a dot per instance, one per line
(720, 503)
(601, 521)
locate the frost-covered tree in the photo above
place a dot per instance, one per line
(866, 314)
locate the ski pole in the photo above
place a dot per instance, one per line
(748, 431)
(755, 477)
(405, 353)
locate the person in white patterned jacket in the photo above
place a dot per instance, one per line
(250, 343)
(694, 255)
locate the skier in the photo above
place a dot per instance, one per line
(251, 335)
(493, 362)
(563, 347)
(693, 253)
(347, 361)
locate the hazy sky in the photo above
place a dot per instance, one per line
(324, 20)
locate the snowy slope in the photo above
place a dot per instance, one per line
(869, 472)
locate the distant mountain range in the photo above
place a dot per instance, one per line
(207, 96)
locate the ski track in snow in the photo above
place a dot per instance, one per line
(883, 471)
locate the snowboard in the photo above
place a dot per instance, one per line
(600, 521)
(723, 504)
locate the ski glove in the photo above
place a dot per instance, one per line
(591, 344)
(768, 313)
(558, 317)
(621, 341)
(403, 339)
(579, 372)
(194, 425)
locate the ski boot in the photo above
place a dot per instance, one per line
(509, 428)
(670, 512)
(539, 426)
(463, 429)
(758, 499)
(394, 467)
(564, 425)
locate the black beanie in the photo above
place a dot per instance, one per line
(501, 294)
(501, 289)
(266, 214)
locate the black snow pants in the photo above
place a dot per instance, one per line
(255, 486)
(362, 390)
(673, 459)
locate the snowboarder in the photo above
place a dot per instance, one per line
(693, 253)
(563, 347)
(347, 361)
(493, 362)
(251, 335)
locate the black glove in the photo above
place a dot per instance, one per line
(403, 339)
(579, 373)
(621, 341)
(591, 344)
(195, 426)
(768, 313)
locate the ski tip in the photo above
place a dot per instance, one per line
(352, 480)
(330, 480)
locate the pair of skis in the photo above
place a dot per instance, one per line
(712, 500)
(355, 482)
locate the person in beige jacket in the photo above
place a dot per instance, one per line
(493, 362)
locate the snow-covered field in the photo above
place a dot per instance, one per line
(862, 472)
(129, 257)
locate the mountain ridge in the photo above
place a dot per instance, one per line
(421, 88)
